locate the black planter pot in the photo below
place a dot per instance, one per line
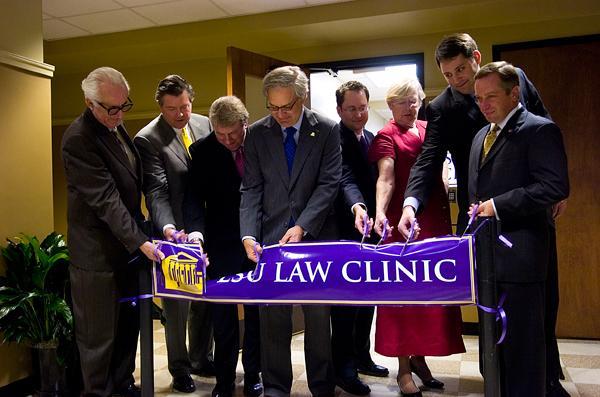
(51, 372)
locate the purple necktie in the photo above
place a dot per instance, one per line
(238, 156)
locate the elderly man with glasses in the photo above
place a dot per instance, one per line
(106, 240)
(292, 173)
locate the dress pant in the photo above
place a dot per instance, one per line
(275, 340)
(553, 369)
(350, 338)
(200, 335)
(227, 342)
(522, 354)
(106, 332)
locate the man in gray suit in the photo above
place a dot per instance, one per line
(106, 241)
(292, 173)
(164, 148)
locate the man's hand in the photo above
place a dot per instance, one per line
(559, 208)
(151, 251)
(485, 209)
(406, 220)
(359, 220)
(378, 226)
(249, 245)
(293, 235)
(172, 234)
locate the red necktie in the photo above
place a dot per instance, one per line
(238, 156)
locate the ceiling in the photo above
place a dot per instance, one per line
(75, 18)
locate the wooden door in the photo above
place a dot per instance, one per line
(566, 75)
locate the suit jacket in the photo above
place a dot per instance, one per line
(212, 206)
(166, 164)
(358, 181)
(525, 172)
(103, 196)
(453, 119)
(270, 196)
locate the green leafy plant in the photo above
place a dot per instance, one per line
(33, 309)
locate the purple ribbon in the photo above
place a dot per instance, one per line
(505, 241)
(500, 315)
(134, 299)
(433, 271)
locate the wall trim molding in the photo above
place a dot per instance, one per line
(27, 64)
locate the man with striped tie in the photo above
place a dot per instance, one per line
(164, 148)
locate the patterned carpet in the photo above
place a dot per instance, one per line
(460, 372)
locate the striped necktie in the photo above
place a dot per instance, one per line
(489, 140)
(187, 141)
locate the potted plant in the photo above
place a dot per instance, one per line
(33, 309)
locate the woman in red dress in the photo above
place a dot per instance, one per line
(410, 333)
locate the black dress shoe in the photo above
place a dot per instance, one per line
(129, 391)
(555, 389)
(431, 383)
(184, 384)
(252, 385)
(415, 394)
(223, 391)
(253, 389)
(353, 386)
(373, 369)
(208, 370)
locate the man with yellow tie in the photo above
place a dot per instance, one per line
(164, 148)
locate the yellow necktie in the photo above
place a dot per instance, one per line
(187, 142)
(490, 138)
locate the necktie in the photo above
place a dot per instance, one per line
(489, 140)
(289, 146)
(187, 142)
(238, 156)
(364, 146)
(125, 147)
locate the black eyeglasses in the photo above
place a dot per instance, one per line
(114, 110)
(284, 108)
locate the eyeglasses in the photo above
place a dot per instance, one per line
(114, 110)
(352, 109)
(406, 102)
(284, 108)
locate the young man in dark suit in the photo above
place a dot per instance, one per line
(212, 207)
(453, 119)
(164, 147)
(292, 174)
(104, 184)
(351, 325)
(517, 171)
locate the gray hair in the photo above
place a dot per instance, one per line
(404, 88)
(287, 76)
(505, 71)
(91, 84)
(227, 111)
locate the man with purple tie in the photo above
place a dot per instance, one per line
(212, 207)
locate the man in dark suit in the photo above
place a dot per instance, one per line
(104, 183)
(351, 325)
(292, 173)
(517, 170)
(212, 207)
(164, 147)
(453, 119)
